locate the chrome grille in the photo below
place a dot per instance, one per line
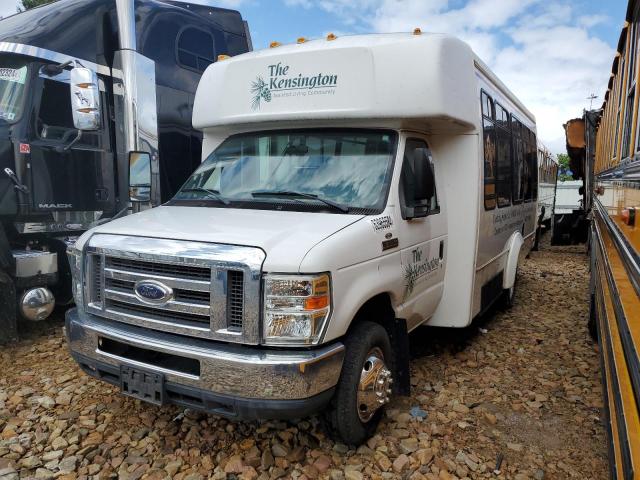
(140, 266)
(158, 314)
(179, 294)
(216, 288)
(235, 299)
(96, 277)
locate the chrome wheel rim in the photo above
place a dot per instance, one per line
(374, 388)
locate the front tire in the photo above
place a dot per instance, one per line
(364, 386)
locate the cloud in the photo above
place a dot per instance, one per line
(543, 51)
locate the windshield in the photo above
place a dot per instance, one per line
(13, 76)
(333, 170)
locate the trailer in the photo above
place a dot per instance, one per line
(348, 194)
(88, 89)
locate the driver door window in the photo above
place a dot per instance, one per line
(414, 150)
(54, 121)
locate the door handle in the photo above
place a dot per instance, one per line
(441, 249)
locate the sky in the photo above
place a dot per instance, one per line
(551, 54)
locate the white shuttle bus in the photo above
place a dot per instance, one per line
(547, 182)
(351, 190)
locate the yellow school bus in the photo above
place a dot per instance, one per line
(608, 151)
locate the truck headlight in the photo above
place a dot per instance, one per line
(296, 308)
(75, 262)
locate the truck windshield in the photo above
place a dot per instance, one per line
(334, 170)
(13, 76)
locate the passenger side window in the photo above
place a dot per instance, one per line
(518, 161)
(503, 157)
(196, 49)
(489, 137)
(416, 150)
(532, 160)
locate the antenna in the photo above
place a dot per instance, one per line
(591, 98)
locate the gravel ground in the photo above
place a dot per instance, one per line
(520, 388)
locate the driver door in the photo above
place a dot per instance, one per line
(66, 176)
(423, 241)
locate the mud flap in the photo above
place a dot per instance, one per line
(399, 337)
(8, 312)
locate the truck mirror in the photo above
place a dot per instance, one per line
(139, 177)
(85, 99)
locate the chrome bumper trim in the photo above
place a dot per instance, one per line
(225, 369)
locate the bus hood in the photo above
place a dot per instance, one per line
(285, 236)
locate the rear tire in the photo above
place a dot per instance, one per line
(349, 419)
(8, 309)
(536, 243)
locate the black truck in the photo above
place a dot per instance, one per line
(96, 99)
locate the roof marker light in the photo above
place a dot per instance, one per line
(223, 57)
(274, 44)
(417, 31)
(301, 40)
(331, 36)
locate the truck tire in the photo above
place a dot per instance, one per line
(8, 309)
(536, 243)
(358, 403)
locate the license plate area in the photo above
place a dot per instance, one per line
(143, 385)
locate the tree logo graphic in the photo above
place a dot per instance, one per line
(260, 92)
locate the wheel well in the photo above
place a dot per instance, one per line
(377, 309)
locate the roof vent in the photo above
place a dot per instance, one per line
(274, 44)
(301, 40)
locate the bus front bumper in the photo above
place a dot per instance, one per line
(229, 380)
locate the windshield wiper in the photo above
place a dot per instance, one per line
(290, 193)
(212, 193)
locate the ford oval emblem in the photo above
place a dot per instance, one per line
(151, 291)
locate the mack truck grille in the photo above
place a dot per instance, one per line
(211, 290)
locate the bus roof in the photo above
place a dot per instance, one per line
(415, 79)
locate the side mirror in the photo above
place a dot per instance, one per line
(421, 187)
(425, 179)
(85, 99)
(139, 177)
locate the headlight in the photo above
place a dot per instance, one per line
(296, 308)
(75, 262)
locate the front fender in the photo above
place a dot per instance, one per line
(514, 245)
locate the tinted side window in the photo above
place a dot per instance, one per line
(196, 49)
(532, 178)
(518, 178)
(416, 149)
(503, 157)
(489, 141)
